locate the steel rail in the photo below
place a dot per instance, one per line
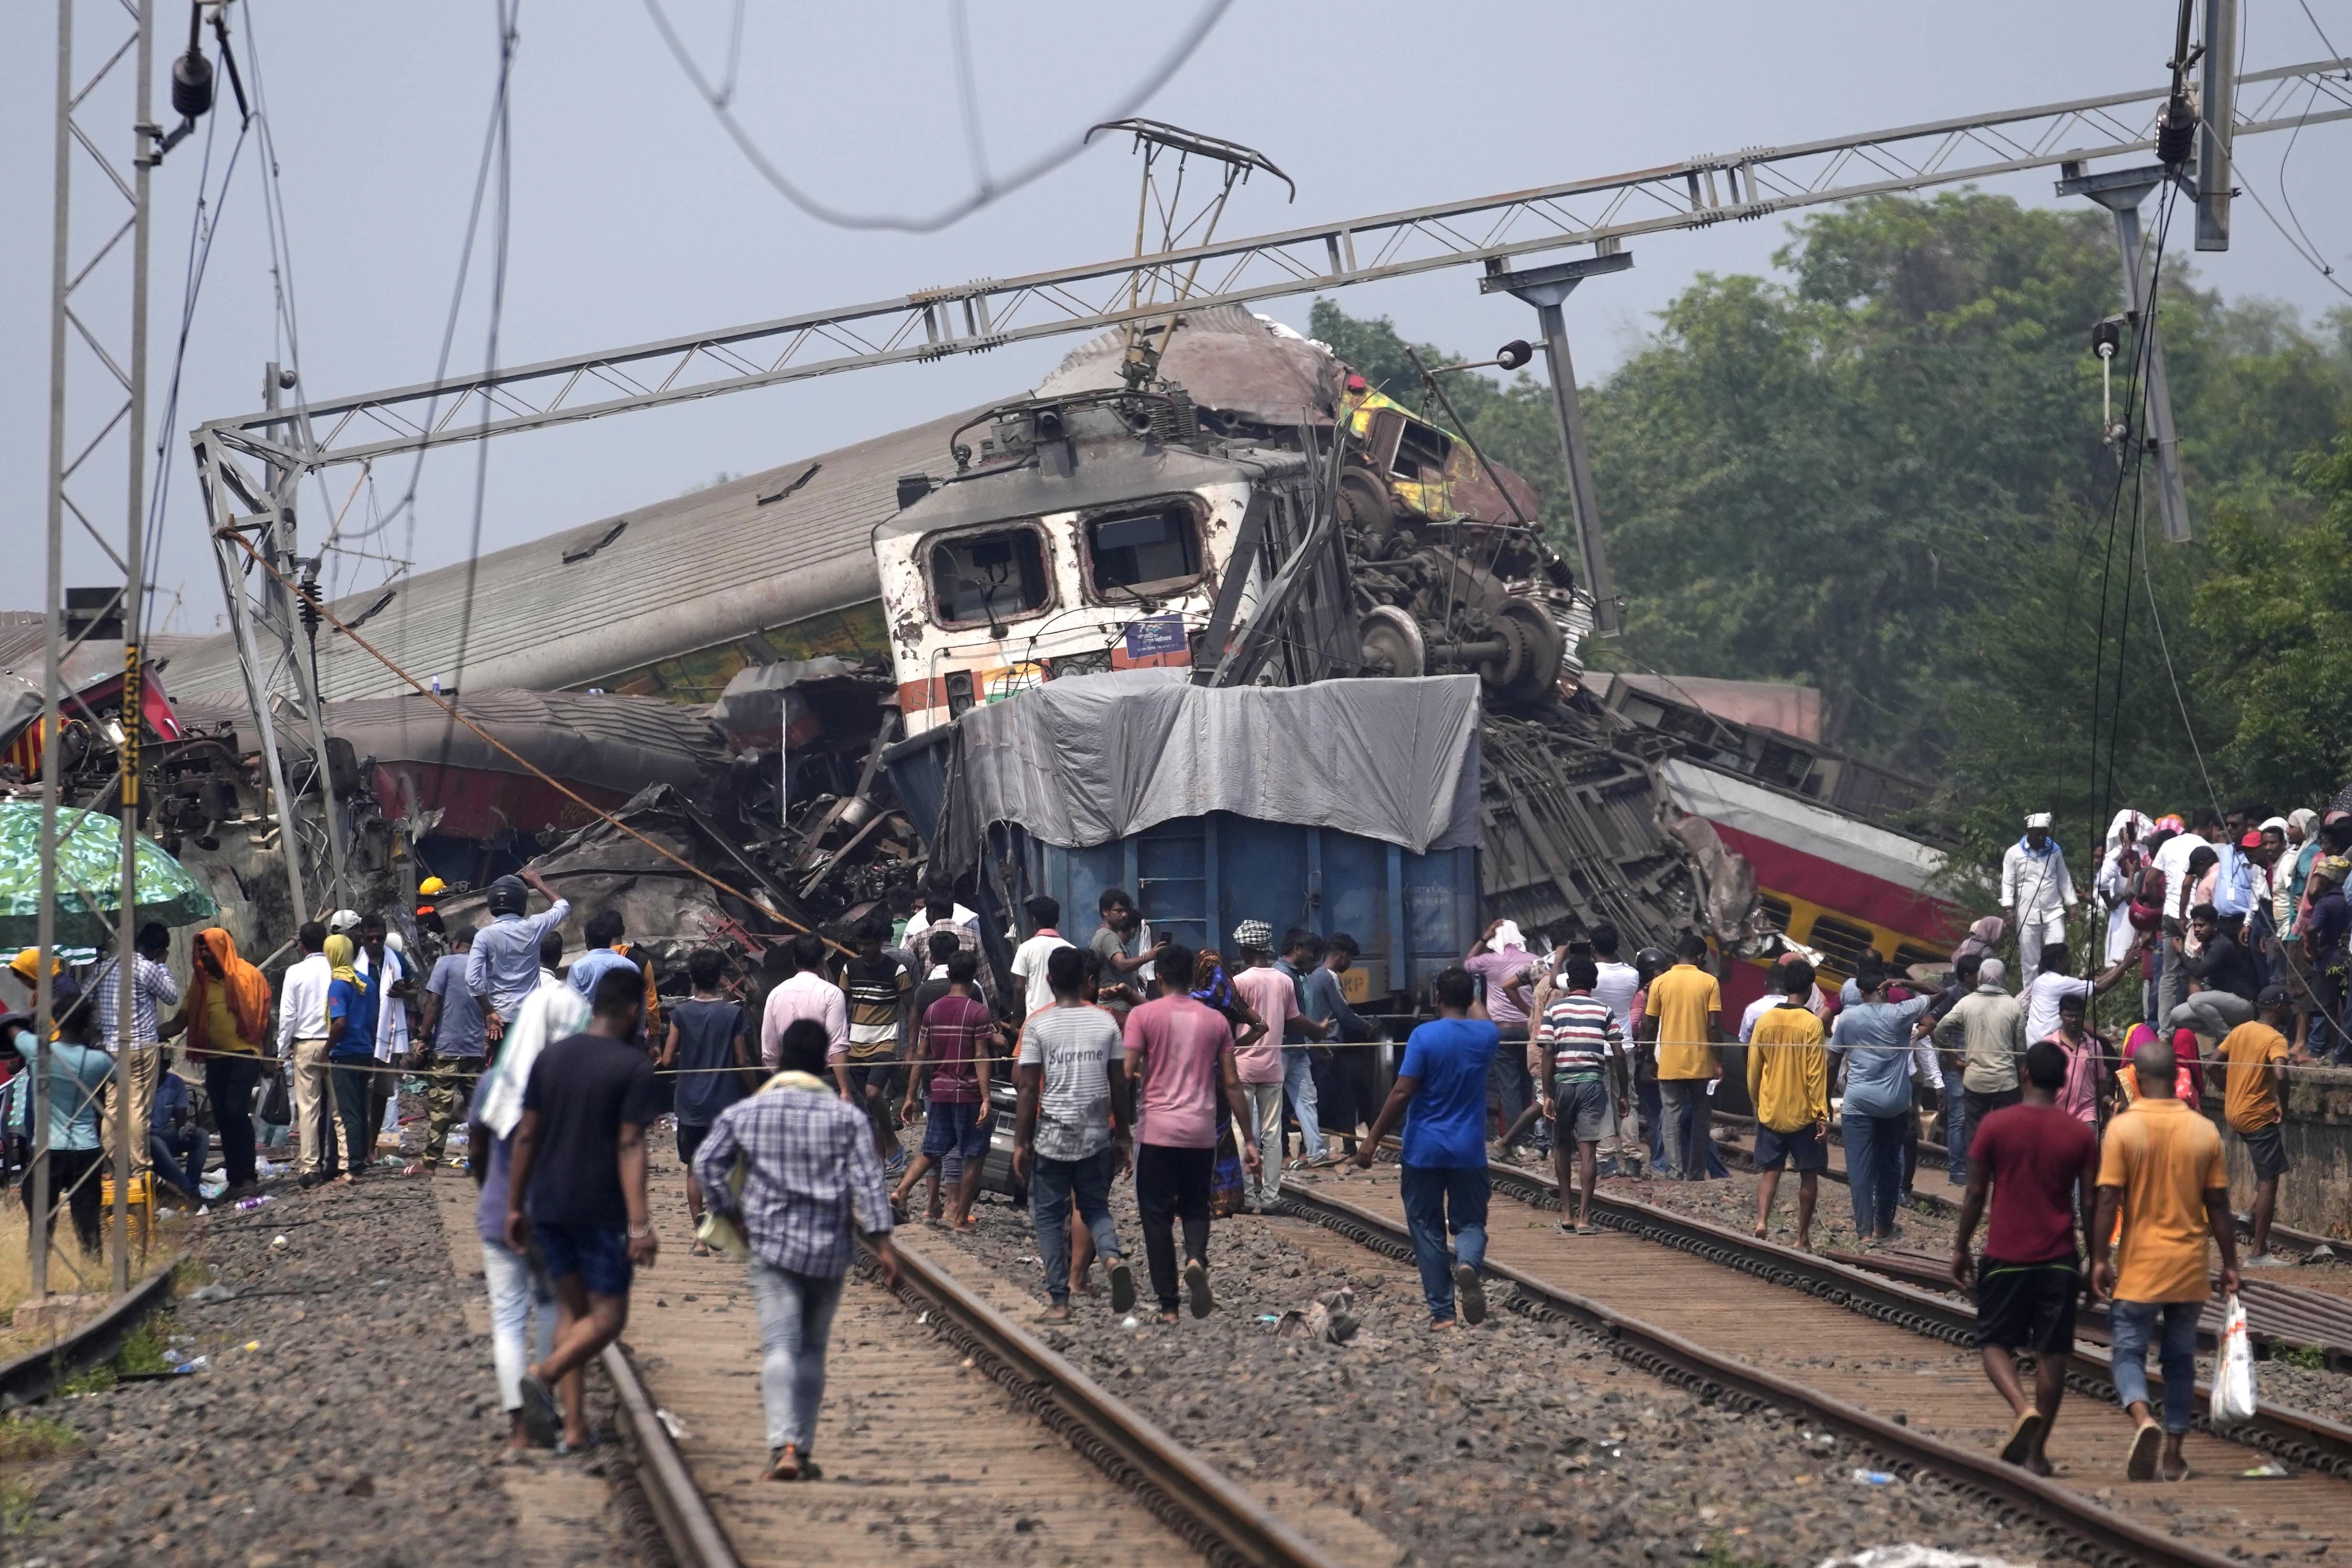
(974, 318)
(35, 1374)
(1209, 1512)
(678, 1507)
(2296, 1437)
(1938, 1156)
(1724, 1379)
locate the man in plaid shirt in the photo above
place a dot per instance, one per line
(811, 1185)
(151, 990)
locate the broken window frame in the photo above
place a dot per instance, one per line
(929, 546)
(1158, 588)
(1419, 436)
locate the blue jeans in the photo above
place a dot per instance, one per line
(1053, 1186)
(1298, 1087)
(795, 1321)
(1955, 1130)
(165, 1150)
(2134, 1323)
(1874, 1165)
(1438, 1198)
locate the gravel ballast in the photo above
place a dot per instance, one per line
(1514, 1442)
(346, 1412)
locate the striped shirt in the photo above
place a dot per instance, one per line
(1582, 1034)
(874, 987)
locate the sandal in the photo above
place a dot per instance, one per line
(784, 1464)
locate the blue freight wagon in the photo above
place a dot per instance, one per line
(1031, 796)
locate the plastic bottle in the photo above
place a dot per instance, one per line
(251, 1203)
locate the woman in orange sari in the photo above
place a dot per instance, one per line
(226, 1017)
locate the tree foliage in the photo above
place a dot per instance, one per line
(1879, 471)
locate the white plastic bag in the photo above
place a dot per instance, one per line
(2233, 1370)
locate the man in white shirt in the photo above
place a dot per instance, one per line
(1624, 1148)
(2172, 859)
(1776, 994)
(302, 1041)
(2035, 886)
(1029, 958)
(378, 950)
(2046, 989)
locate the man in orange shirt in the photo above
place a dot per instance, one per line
(1684, 1016)
(2161, 1169)
(2250, 1072)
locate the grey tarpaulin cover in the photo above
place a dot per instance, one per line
(1090, 759)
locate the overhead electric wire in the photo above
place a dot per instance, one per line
(967, 90)
(510, 15)
(2305, 249)
(492, 135)
(200, 250)
(983, 194)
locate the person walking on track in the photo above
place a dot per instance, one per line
(2031, 1158)
(793, 1169)
(1180, 1056)
(578, 1187)
(1440, 1095)
(956, 1040)
(2161, 1171)
(1071, 1139)
(1788, 1085)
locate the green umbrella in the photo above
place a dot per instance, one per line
(89, 879)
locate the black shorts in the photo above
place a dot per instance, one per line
(689, 1138)
(875, 1074)
(1801, 1150)
(2028, 1306)
(2267, 1146)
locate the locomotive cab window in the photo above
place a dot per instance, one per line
(982, 579)
(1143, 551)
(1422, 453)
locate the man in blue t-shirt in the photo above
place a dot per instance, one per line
(1441, 1093)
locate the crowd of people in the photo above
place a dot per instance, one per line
(1133, 1057)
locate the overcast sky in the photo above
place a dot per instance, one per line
(634, 217)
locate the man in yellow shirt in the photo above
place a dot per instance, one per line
(1788, 1083)
(2249, 1072)
(1683, 1015)
(2161, 1169)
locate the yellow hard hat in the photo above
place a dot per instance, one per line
(429, 886)
(28, 965)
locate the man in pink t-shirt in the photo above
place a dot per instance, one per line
(1273, 996)
(1180, 1056)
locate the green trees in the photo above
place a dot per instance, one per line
(1879, 472)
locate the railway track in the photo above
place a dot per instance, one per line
(950, 1436)
(1886, 1365)
(2279, 1314)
